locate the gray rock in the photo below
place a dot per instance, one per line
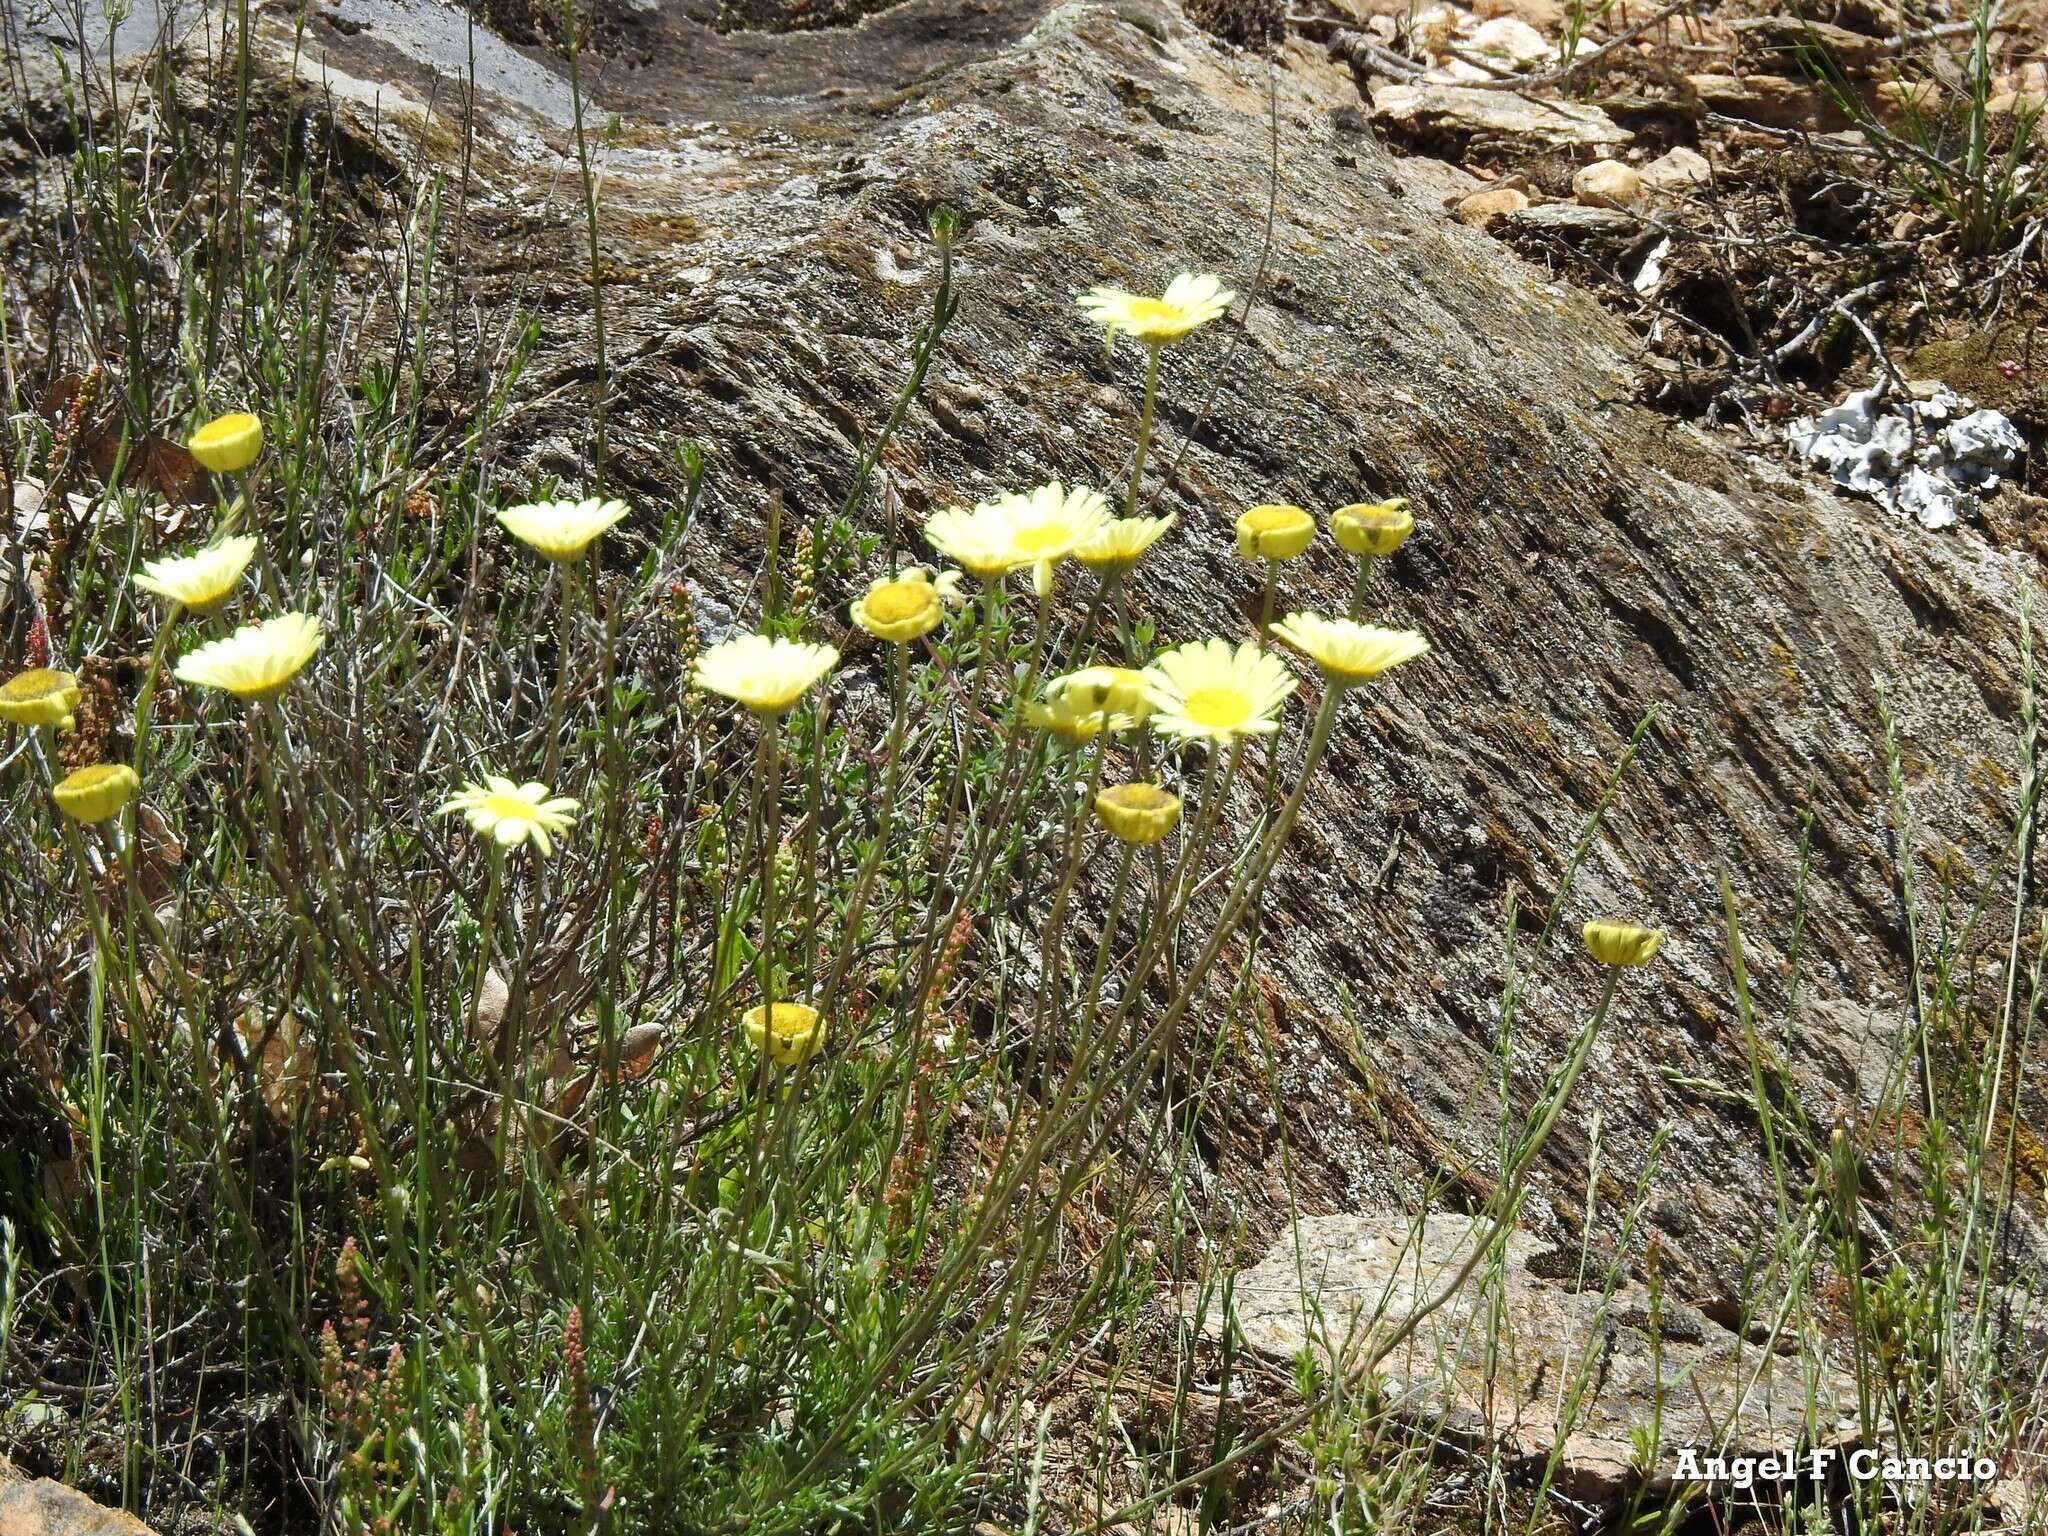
(1437, 112)
(1574, 220)
(47, 1508)
(1580, 559)
(1572, 1367)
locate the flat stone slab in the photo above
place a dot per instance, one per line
(1337, 1281)
(47, 1508)
(1435, 111)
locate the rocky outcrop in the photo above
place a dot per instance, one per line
(1549, 1358)
(41, 1507)
(1582, 564)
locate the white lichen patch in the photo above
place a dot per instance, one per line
(1924, 457)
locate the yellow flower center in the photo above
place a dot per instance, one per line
(792, 1019)
(1036, 541)
(1275, 519)
(37, 684)
(1147, 314)
(1138, 797)
(1218, 708)
(508, 807)
(898, 601)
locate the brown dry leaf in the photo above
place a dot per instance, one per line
(283, 1061)
(638, 1050)
(495, 997)
(171, 472)
(158, 855)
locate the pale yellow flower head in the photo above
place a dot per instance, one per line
(40, 696)
(1137, 813)
(1211, 691)
(1121, 543)
(766, 674)
(1349, 652)
(1051, 522)
(256, 660)
(227, 443)
(1372, 527)
(1622, 944)
(1120, 690)
(1073, 718)
(201, 581)
(1036, 529)
(1190, 300)
(95, 792)
(789, 1032)
(977, 537)
(510, 814)
(561, 530)
(1274, 533)
(900, 608)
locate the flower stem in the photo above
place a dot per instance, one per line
(1144, 432)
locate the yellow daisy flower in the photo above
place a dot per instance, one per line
(767, 675)
(789, 1032)
(256, 660)
(1616, 943)
(200, 581)
(1036, 529)
(1349, 652)
(901, 608)
(1274, 533)
(1208, 690)
(1137, 813)
(1121, 543)
(227, 443)
(95, 792)
(512, 814)
(1050, 523)
(1190, 300)
(1120, 690)
(561, 530)
(1372, 527)
(977, 537)
(40, 696)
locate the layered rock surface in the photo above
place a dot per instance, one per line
(1581, 563)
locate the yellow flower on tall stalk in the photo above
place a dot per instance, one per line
(1121, 543)
(1051, 522)
(978, 538)
(1137, 813)
(1622, 944)
(40, 696)
(95, 792)
(1191, 300)
(511, 814)
(1038, 529)
(1210, 691)
(1376, 528)
(767, 674)
(1073, 717)
(227, 443)
(561, 530)
(257, 660)
(1274, 533)
(200, 581)
(1349, 652)
(900, 608)
(788, 1032)
(1119, 690)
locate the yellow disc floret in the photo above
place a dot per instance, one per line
(227, 443)
(95, 792)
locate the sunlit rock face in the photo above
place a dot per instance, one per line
(1579, 564)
